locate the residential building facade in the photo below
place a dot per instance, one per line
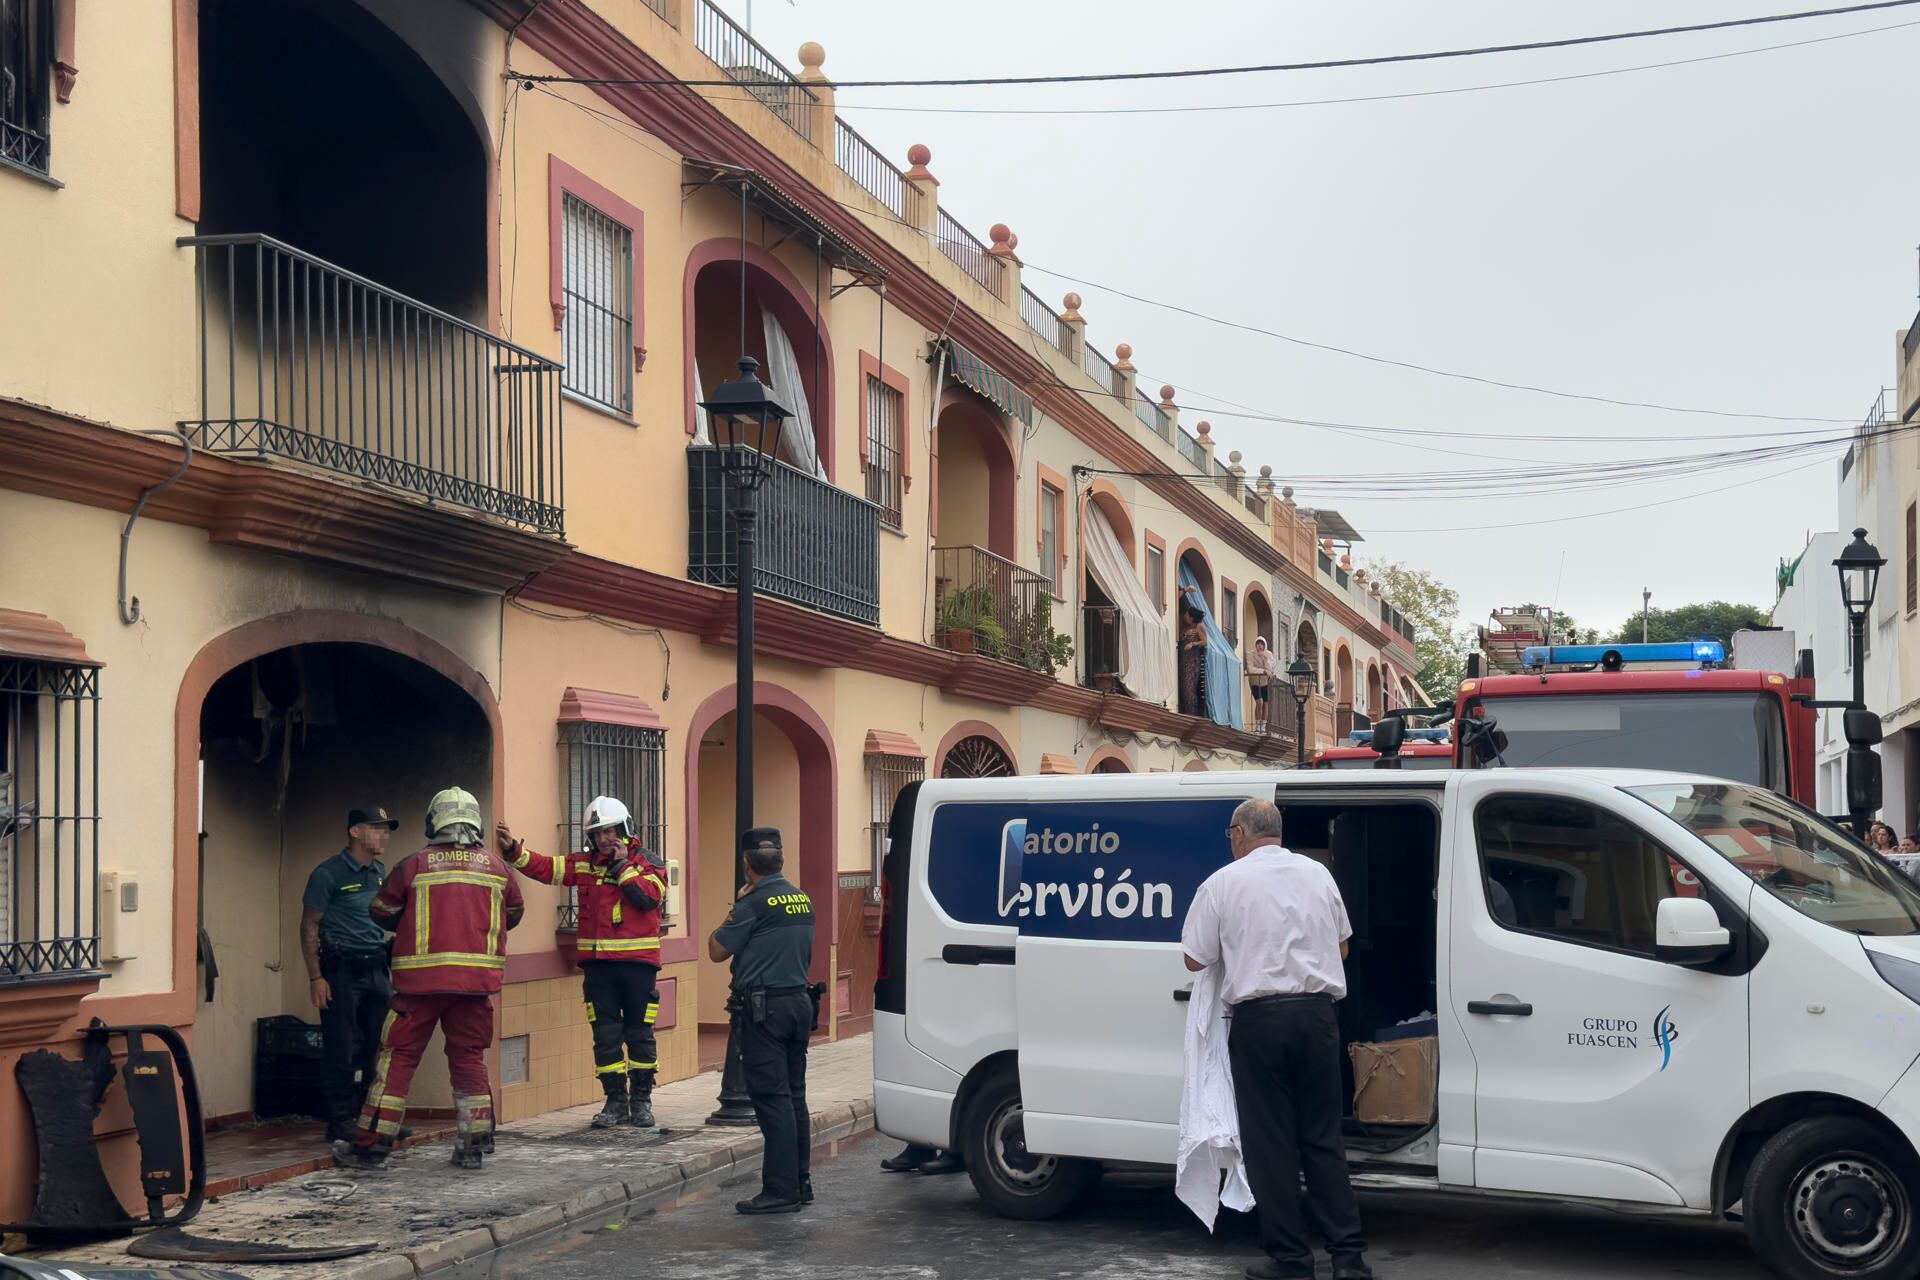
(346, 455)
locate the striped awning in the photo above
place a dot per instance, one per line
(970, 370)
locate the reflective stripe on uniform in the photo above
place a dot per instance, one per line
(422, 916)
(643, 1066)
(619, 944)
(611, 1069)
(653, 1011)
(493, 921)
(454, 959)
(485, 879)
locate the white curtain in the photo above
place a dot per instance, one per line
(701, 433)
(783, 375)
(1146, 648)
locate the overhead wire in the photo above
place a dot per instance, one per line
(1324, 64)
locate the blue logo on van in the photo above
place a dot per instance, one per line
(1110, 870)
(1664, 1034)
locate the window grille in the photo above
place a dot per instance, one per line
(597, 265)
(887, 777)
(49, 819)
(26, 82)
(885, 414)
(621, 761)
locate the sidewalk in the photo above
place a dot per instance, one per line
(423, 1214)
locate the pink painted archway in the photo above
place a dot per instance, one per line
(819, 809)
(970, 729)
(1109, 759)
(779, 291)
(962, 411)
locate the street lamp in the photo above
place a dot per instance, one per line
(745, 421)
(1859, 565)
(1300, 676)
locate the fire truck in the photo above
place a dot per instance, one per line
(1681, 705)
(1424, 749)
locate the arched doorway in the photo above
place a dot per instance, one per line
(296, 720)
(977, 757)
(974, 475)
(1306, 645)
(1375, 692)
(794, 789)
(1194, 560)
(776, 300)
(1342, 692)
(288, 85)
(1109, 759)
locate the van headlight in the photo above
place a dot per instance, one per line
(1902, 975)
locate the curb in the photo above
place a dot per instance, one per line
(697, 1172)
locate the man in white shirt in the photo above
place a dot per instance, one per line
(1274, 922)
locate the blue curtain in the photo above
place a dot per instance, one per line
(1223, 668)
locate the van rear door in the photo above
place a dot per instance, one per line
(1102, 892)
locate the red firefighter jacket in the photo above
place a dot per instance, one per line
(620, 900)
(449, 909)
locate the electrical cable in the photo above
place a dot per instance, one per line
(1327, 64)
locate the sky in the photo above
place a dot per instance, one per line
(1736, 235)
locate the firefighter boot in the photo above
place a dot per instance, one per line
(615, 1112)
(640, 1113)
(466, 1153)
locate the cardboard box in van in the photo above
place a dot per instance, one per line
(1395, 1082)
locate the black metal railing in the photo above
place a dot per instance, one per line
(1101, 370)
(1324, 561)
(1152, 416)
(1190, 448)
(1223, 476)
(25, 147)
(878, 176)
(968, 252)
(300, 359)
(1100, 647)
(1256, 503)
(993, 605)
(747, 62)
(818, 546)
(1042, 319)
(660, 7)
(49, 819)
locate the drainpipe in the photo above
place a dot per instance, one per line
(130, 605)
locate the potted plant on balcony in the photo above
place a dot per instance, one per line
(967, 624)
(1038, 645)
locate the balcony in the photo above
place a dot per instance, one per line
(817, 546)
(303, 361)
(987, 604)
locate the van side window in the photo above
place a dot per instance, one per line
(1566, 869)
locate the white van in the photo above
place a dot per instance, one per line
(1687, 996)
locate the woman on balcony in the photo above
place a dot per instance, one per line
(1262, 667)
(1193, 659)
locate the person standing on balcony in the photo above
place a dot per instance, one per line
(449, 905)
(1262, 667)
(1193, 658)
(622, 892)
(346, 955)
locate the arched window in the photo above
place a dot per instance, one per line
(976, 757)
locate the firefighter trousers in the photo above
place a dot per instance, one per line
(623, 999)
(466, 1020)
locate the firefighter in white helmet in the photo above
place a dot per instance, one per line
(622, 892)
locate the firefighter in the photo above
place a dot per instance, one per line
(449, 906)
(622, 892)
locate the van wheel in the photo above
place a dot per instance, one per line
(1829, 1197)
(1015, 1182)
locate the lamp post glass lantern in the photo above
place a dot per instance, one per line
(1859, 565)
(745, 420)
(1300, 675)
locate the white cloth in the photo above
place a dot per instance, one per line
(1210, 1171)
(701, 433)
(1273, 921)
(1146, 650)
(783, 375)
(1262, 665)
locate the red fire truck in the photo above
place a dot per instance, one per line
(1656, 706)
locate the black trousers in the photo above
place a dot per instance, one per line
(1286, 1086)
(350, 1028)
(623, 999)
(773, 1061)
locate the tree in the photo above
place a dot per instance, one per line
(1440, 643)
(1714, 620)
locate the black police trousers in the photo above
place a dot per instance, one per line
(623, 999)
(1285, 1054)
(350, 1028)
(773, 1061)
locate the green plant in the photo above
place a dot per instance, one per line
(1040, 647)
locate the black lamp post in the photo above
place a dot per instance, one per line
(1300, 676)
(745, 421)
(1859, 565)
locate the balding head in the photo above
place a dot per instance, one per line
(1255, 822)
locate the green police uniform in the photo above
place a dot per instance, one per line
(770, 936)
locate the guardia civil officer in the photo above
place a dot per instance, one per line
(346, 957)
(769, 935)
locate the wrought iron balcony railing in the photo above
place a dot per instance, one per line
(302, 360)
(987, 604)
(817, 545)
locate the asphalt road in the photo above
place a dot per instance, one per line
(867, 1223)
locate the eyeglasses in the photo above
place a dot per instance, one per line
(1235, 827)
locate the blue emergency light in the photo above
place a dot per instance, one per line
(1364, 737)
(1705, 652)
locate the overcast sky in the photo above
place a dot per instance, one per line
(1735, 234)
